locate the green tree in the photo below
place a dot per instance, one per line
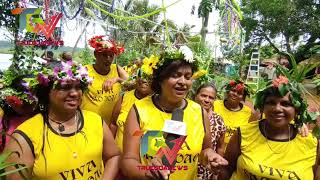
(204, 10)
(296, 22)
(10, 22)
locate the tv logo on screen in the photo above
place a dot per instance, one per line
(31, 20)
(156, 138)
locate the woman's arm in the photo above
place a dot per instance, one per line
(115, 113)
(221, 145)
(232, 153)
(123, 75)
(208, 157)
(111, 154)
(131, 152)
(19, 144)
(207, 136)
(131, 148)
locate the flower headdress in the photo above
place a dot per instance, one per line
(174, 53)
(145, 72)
(149, 64)
(14, 88)
(68, 71)
(284, 86)
(103, 45)
(17, 93)
(238, 85)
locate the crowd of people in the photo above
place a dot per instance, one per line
(68, 121)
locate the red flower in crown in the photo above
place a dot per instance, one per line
(239, 87)
(232, 83)
(14, 100)
(280, 80)
(101, 45)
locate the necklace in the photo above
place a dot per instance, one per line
(269, 146)
(74, 152)
(61, 127)
(162, 108)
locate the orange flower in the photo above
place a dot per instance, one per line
(280, 80)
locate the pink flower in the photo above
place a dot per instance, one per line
(56, 71)
(280, 80)
(43, 80)
(66, 66)
(83, 71)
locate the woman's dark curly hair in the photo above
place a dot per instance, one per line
(166, 70)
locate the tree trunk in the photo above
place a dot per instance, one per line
(83, 30)
(287, 42)
(204, 29)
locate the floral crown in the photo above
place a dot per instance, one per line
(145, 72)
(68, 71)
(174, 53)
(15, 90)
(284, 86)
(102, 45)
(17, 96)
(238, 85)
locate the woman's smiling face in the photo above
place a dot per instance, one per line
(279, 110)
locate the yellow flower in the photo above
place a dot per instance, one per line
(147, 69)
(199, 73)
(153, 61)
(149, 64)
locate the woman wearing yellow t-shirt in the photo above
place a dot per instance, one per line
(123, 106)
(272, 148)
(233, 112)
(104, 91)
(63, 141)
(147, 159)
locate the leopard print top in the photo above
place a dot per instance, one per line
(218, 129)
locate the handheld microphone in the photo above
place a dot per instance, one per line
(177, 120)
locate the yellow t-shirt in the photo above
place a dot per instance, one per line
(98, 100)
(128, 100)
(232, 119)
(267, 159)
(56, 160)
(151, 118)
(1, 113)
